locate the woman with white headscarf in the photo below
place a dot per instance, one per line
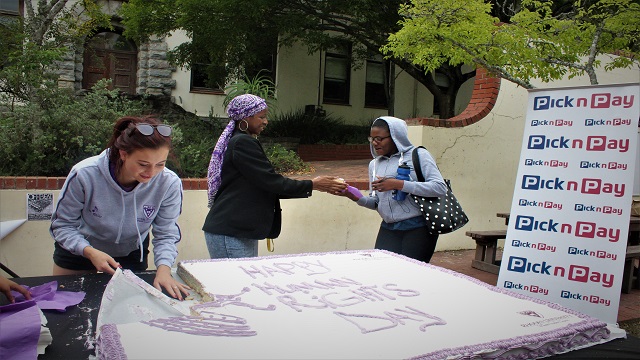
(244, 189)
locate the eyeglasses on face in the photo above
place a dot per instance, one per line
(377, 138)
(147, 129)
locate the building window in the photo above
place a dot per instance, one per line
(10, 7)
(374, 93)
(337, 75)
(266, 64)
(208, 77)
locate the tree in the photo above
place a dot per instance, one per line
(543, 40)
(233, 32)
(33, 45)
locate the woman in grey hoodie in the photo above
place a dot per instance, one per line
(110, 202)
(403, 229)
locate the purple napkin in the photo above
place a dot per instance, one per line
(19, 331)
(354, 191)
(48, 297)
(20, 322)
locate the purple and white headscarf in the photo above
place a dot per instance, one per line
(240, 107)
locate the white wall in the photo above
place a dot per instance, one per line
(320, 223)
(299, 81)
(199, 103)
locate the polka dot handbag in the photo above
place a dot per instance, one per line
(443, 214)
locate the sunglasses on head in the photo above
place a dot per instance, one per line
(147, 129)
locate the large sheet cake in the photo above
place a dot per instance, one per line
(348, 305)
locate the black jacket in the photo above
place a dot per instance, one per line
(249, 193)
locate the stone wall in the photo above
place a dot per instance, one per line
(154, 70)
(153, 76)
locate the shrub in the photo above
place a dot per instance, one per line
(285, 161)
(315, 129)
(48, 138)
(198, 136)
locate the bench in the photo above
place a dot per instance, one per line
(633, 252)
(486, 246)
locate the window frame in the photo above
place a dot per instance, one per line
(370, 100)
(20, 11)
(346, 83)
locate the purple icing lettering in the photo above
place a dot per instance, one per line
(332, 283)
(285, 267)
(399, 317)
(253, 270)
(303, 287)
(267, 288)
(372, 293)
(368, 323)
(423, 327)
(293, 303)
(359, 319)
(306, 265)
(214, 325)
(347, 301)
(400, 292)
(273, 271)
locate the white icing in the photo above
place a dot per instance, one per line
(359, 304)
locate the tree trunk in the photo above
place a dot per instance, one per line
(391, 93)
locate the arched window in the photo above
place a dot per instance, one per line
(109, 55)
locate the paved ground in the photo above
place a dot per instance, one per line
(355, 173)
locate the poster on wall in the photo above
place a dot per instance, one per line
(39, 206)
(569, 220)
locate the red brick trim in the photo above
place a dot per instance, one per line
(56, 183)
(194, 184)
(483, 98)
(330, 152)
(31, 183)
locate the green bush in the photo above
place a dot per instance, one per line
(315, 129)
(285, 161)
(48, 138)
(193, 148)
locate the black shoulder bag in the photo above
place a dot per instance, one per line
(443, 214)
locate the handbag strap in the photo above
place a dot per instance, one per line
(415, 157)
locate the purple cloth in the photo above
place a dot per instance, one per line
(240, 107)
(20, 322)
(354, 191)
(19, 331)
(48, 297)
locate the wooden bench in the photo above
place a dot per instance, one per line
(486, 246)
(633, 252)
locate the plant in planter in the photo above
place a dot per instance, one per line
(259, 85)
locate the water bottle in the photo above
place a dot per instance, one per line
(403, 174)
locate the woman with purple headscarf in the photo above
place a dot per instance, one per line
(244, 189)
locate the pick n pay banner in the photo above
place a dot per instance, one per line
(569, 222)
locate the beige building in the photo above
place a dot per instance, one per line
(481, 157)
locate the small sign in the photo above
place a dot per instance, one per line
(39, 206)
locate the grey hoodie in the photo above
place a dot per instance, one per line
(389, 209)
(93, 210)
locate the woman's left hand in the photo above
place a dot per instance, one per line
(165, 280)
(387, 184)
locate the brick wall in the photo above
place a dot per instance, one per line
(329, 152)
(485, 93)
(55, 183)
